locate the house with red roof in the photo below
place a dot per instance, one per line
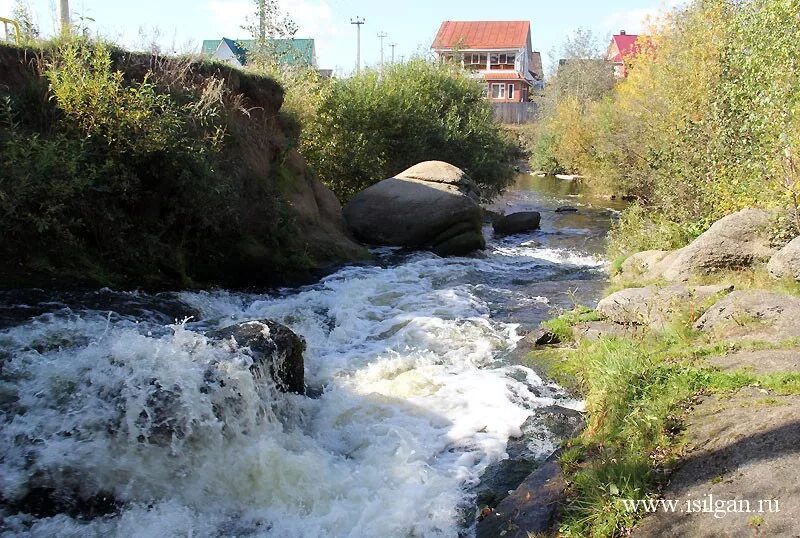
(623, 47)
(498, 52)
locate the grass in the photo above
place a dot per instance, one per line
(551, 362)
(616, 264)
(637, 392)
(561, 326)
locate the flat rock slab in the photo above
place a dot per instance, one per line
(740, 448)
(753, 315)
(656, 305)
(530, 509)
(763, 361)
(594, 330)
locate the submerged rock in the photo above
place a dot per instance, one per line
(431, 205)
(522, 221)
(786, 262)
(566, 209)
(530, 509)
(275, 349)
(541, 434)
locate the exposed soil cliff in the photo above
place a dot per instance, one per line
(269, 219)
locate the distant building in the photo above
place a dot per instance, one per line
(498, 52)
(290, 52)
(623, 47)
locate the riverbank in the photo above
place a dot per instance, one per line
(692, 389)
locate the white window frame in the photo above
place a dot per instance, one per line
(502, 60)
(501, 94)
(474, 59)
(510, 91)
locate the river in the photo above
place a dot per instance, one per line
(411, 363)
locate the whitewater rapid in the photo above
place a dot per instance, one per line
(415, 399)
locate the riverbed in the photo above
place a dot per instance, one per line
(410, 363)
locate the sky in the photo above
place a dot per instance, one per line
(181, 25)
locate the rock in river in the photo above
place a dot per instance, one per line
(275, 349)
(517, 222)
(431, 205)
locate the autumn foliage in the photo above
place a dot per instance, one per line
(706, 123)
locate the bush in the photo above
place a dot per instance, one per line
(706, 123)
(374, 125)
(119, 176)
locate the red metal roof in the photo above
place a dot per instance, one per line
(482, 35)
(507, 75)
(626, 44)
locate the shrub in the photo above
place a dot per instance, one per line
(374, 125)
(131, 176)
(706, 123)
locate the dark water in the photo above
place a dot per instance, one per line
(577, 236)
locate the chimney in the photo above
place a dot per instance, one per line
(622, 32)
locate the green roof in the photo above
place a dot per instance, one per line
(294, 52)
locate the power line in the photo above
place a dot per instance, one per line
(358, 22)
(64, 12)
(382, 35)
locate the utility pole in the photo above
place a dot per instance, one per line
(64, 13)
(381, 35)
(262, 22)
(358, 22)
(393, 45)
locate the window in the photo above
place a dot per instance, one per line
(475, 61)
(510, 91)
(498, 91)
(502, 60)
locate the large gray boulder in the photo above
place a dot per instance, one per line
(432, 205)
(513, 223)
(736, 241)
(656, 306)
(276, 351)
(786, 262)
(642, 264)
(753, 315)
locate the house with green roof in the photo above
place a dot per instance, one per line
(290, 52)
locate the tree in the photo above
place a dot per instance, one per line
(582, 44)
(265, 26)
(21, 12)
(583, 73)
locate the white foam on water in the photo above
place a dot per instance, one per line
(414, 407)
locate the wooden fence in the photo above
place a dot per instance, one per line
(515, 112)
